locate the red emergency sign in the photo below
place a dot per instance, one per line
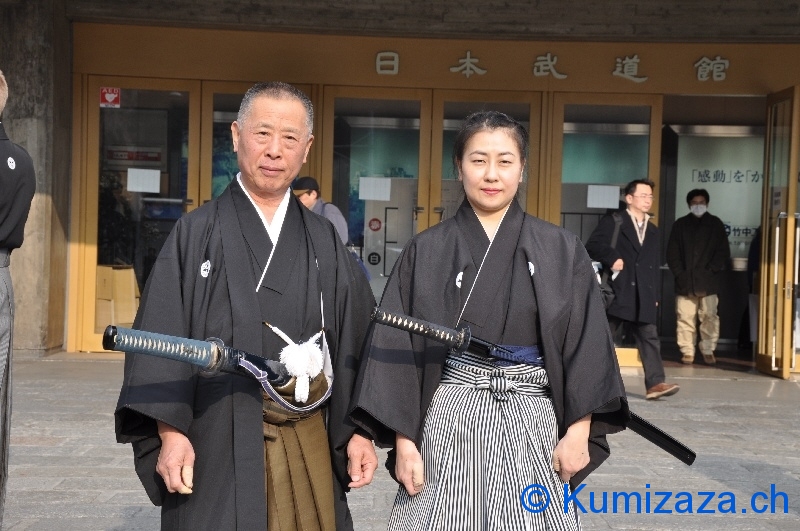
(110, 97)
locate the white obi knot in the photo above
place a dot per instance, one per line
(304, 361)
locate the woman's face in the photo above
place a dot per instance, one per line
(491, 169)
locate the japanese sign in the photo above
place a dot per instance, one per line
(730, 169)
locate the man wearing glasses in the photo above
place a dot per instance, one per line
(634, 262)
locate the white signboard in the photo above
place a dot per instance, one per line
(144, 180)
(601, 196)
(374, 188)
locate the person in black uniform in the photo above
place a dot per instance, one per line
(17, 186)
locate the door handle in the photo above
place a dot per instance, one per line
(795, 275)
(439, 210)
(775, 263)
(417, 209)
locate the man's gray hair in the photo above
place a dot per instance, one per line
(279, 91)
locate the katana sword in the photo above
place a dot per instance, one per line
(211, 355)
(462, 340)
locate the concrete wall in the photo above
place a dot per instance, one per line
(35, 57)
(643, 20)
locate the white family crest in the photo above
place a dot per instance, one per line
(205, 269)
(458, 279)
(11, 163)
(530, 268)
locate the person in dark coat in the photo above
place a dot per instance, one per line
(17, 188)
(468, 431)
(634, 263)
(697, 254)
(259, 271)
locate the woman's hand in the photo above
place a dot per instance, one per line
(571, 453)
(409, 469)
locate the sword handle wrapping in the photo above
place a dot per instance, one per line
(457, 340)
(204, 354)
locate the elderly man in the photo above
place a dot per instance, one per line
(257, 270)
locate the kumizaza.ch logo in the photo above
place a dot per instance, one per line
(536, 498)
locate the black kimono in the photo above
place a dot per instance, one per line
(203, 285)
(540, 283)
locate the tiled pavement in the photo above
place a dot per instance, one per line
(67, 473)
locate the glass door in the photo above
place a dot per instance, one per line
(375, 168)
(777, 345)
(600, 142)
(141, 175)
(450, 108)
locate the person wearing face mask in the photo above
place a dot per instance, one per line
(697, 253)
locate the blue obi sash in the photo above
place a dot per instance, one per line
(529, 355)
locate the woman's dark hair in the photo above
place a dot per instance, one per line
(489, 121)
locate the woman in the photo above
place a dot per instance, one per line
(470, 432)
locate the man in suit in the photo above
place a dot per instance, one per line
(17, 186)
(634, 263)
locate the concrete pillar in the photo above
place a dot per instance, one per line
(35, 56)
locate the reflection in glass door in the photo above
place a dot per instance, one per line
(377, 171)
(142, 191)
(600, 143)
(224, 165)
(605, 147)
(780, 234)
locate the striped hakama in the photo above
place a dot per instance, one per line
(490, 432)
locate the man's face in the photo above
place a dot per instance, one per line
(308, 199)
(271, 144)
(641, 200)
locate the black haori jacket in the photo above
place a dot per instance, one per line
(203, 285)
(536, 277)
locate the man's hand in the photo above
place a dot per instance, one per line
(409, 469)
(175, 460)
(618, 265)
(361, 461)
(572, 451)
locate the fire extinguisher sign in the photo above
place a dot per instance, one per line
(110, 97)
